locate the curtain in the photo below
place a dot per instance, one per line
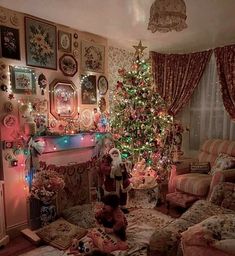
(206, 114)
(225, 59)
(177, 75)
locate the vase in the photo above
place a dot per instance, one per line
(47, 213)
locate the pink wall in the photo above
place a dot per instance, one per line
(14, 177)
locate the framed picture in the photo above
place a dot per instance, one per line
(88, 89)
(93, 56)
(10, 43)
(40, 40)
(64, 41)
(23, 80)
(102, 85)
(63, 99)
(86, 119)
(68, 65)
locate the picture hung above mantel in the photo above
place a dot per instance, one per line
(63, 99)
(88, 89)
(40, 43)
(23, 80)
(93, 57)
(10, 43)
(102, 85)
(68, 65)
(64, 41)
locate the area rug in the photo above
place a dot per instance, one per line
(141, 225)
(45, 251)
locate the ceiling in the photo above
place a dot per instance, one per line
(211, 23)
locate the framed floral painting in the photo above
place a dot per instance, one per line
(93, 56)
(63, 99)
(10, 43)
(88, 89)
(64, 41)
(41, 45)
(23, 80)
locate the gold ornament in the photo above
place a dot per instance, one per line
(139, 49)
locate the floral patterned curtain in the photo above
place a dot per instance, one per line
(177, 75)
(225, 60)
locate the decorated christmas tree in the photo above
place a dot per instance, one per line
(139, 121)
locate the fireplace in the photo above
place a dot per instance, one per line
(77, 168)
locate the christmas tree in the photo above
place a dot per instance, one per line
(139, 121)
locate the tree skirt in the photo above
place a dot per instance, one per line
(141, 225)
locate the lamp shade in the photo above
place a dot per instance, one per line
(167, 15)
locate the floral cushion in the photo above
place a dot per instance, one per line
(216, 232)
(201, 210)
(60, 233)
(224, 195)
(222, 162)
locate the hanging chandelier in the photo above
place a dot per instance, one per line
(167, 15)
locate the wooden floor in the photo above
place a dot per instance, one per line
(17, 246)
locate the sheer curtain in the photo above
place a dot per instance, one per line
(206, 115)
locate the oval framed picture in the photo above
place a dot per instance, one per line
(86, 118)
(68, 65)
(64, 41)
(102, 85)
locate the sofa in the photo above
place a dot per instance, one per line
(185, 180)
(167, 241)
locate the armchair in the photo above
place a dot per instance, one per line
(198, 184)
(166, 241)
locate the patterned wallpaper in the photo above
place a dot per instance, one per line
(117, 58)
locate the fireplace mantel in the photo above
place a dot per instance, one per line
(79, 141)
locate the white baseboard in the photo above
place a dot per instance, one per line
(14, 230)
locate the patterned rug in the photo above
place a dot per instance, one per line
(45, 251)
(141, 225)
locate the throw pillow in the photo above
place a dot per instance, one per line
(60, 233)
(200, 167)
(106, 242)
(223, 162)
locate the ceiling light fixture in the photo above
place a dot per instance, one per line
(167, 15)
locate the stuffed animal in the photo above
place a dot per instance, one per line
(82, 246)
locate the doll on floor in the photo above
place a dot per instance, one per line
(112, 217)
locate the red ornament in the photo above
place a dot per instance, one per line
(119, 85)
(122, 72)
(11, 96)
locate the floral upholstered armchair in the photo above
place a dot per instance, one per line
(195, 232)
(215, 236)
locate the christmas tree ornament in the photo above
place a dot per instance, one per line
(139, 50)
(3, 87)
